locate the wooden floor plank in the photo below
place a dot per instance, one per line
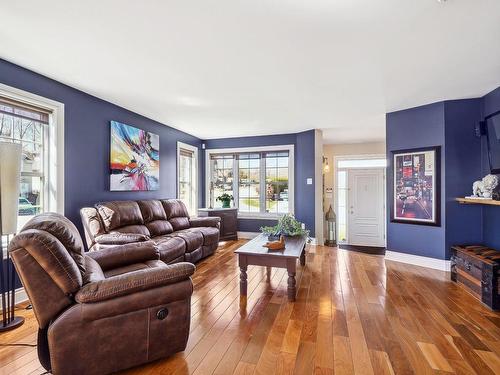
(354, 314)
(434, 357)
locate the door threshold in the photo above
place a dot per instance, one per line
(374, 250)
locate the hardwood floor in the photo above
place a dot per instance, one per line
(354, 314)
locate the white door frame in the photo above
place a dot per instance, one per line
(194, 149)
(54, 164)
(381, 171)
(336, 160)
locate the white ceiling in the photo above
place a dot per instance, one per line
(226, 68)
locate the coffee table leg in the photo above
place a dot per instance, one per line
(303, 257)
(243, 280)
(268, 269)
(292, 290)
(243, 276)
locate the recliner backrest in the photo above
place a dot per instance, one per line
(92, 225)
(177, 213)
(122, 216)
(49, 257)
(155, 217)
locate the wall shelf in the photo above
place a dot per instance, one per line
(489, 202)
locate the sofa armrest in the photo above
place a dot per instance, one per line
(120, 238)
(208, 221)
(123, 255)
(134, 282)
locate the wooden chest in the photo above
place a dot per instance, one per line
(477, 269)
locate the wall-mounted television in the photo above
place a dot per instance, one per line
(493, 136)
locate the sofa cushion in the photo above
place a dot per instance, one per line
(195, 255)
(151, 210)
(120, 238)
(210, 234)
(177, 213)
(170, 248)
(179, 223)
(92, 224)
(159, 227)
(193, 240)
(118, 214)
(174, 208)
(136, 229)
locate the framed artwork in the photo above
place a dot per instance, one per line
(417, 186)
(134, 158)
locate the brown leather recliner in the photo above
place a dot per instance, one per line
(166, 222)
(104, 311)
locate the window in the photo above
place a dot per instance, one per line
(37, 124)
(277, 182)
(263, 183)
(222, 175)
(342, 206)
(187, 157)
(27, 126)
(362, 163)
(249, 191)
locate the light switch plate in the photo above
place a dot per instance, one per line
(309, 181)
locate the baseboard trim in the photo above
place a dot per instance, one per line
(417, 260)
(21, 296)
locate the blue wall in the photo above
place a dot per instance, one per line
(449, 124)
(304, 168)
(87, 138)
(407, 129)
(491, 214)
(463, 167)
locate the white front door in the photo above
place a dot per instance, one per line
(365, 212)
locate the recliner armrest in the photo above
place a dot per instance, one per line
(120, 238)
(123, 255)
(207, 221)
(134, 282)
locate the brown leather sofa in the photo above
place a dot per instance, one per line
(103, 311)
(165, 222)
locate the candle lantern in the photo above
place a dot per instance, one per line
(331, 238)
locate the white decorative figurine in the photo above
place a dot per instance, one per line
(485, 187)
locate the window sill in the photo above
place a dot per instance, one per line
(258, 216)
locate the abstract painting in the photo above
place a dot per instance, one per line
(416, 186)
(135, 158)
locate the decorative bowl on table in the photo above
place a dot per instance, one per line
(276, 245)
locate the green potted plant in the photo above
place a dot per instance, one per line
(287, 226)
(225, 199)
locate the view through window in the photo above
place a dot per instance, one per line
(27, 125)
(262, 183)
(187, 177)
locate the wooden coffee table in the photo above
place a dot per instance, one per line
(254, 253)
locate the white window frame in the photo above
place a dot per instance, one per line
(336, 170)
(291, 174)
(194, 150)
(54, 141)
